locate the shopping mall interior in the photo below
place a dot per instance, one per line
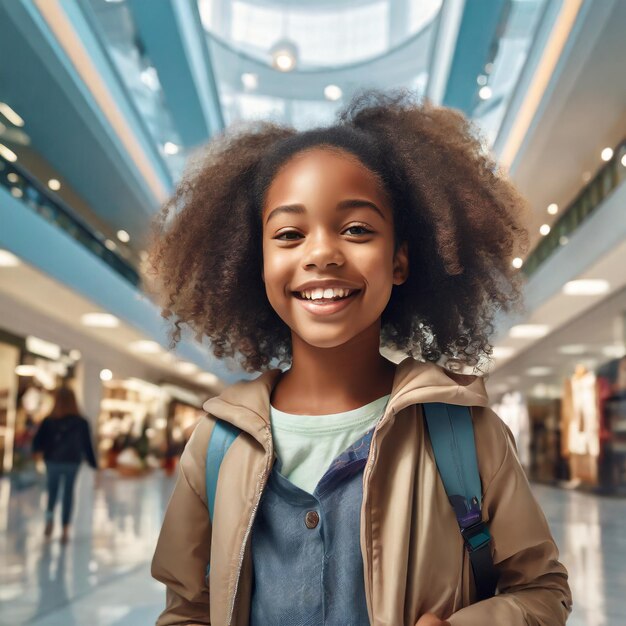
(102, 105)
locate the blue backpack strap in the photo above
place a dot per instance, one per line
(222, 437)
(452, 437)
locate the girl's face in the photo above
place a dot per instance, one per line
(328, 223)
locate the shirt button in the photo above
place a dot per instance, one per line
(312, 519)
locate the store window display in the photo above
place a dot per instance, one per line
(612, 403)
(580, 425)
(143, 426)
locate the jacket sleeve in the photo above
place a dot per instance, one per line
(532, 587)
(39, 440)
(182, 554)
(88, 445)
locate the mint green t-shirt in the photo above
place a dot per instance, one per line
(307, 444)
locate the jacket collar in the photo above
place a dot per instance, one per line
(246, 404)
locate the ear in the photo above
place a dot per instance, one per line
(401, 264)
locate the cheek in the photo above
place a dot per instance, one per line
(275, 271)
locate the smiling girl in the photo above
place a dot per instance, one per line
(312, 250)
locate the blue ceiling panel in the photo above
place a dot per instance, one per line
(474, 48)
(172, 35)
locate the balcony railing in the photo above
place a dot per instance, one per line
(598, 189)
(23, 186)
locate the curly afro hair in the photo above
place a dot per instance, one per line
(462, 219)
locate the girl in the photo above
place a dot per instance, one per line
(64, 439)
(391, 227)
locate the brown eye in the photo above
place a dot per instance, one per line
(364, 230)
(281, 237)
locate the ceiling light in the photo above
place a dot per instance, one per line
(587, 287)
(170, 148)
(9, 155)
(529, 331)
(517, 262)
(616, 351)
(145, 346)
(11, 115)
(13, 177)
(563, 240)
(110, 245)
(123, 236)
(99, 320)
(284, 55)
(574, 349)
(485, 93)
(503, 352)
(16, 192)
(106, 374)
(26, 370)
(539, 370)
(545, 229)
(489, 68)
(606, 154)
(206, 378)
(54, 184)
(482, 80)
(249, 80)
(8, 259)
(43, 348)
(332, 92)
(553, 208)
(623, 161)
(185, 367)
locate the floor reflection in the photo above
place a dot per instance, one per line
(102, 577)
(115, 528)
(590, 533)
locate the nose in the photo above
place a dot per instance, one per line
(321, 251)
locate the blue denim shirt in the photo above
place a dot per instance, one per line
(306, 553)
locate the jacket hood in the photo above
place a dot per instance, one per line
(246, 404)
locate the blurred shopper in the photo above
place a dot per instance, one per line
(64, 438)
(391, 226)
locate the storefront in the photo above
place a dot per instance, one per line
(30, 369)
(576, 438)
(143, 426)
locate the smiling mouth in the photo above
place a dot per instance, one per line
(321, 301)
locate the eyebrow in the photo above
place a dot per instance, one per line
(344, 205)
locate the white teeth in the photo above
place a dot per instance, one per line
(319, 293)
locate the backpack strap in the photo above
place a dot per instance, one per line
(452, 437)
(222, 437)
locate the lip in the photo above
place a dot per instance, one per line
(328, 308)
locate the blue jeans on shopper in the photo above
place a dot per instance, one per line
(55, 473)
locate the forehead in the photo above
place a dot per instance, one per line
(326, 171)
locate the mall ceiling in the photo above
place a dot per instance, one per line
(115, 94)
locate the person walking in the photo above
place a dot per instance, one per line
(64, 438)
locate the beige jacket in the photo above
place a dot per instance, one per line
(413, 554)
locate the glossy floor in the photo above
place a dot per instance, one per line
(102, 577)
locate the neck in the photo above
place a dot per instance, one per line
(332, 380)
